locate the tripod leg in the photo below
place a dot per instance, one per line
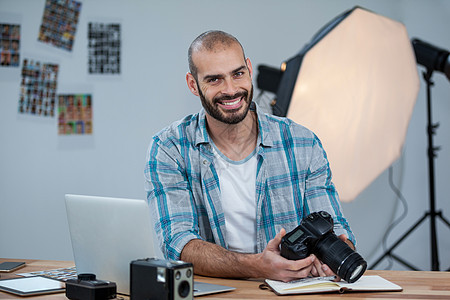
(444, 219)
(388, 252)
(446, 222)
(402, 261)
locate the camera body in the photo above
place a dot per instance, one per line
(153, 278)
(300, 242)
(87, 287)
(315, 235)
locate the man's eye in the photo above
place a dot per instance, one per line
(212, 80)
(238, 74)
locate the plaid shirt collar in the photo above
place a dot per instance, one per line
(264, 135)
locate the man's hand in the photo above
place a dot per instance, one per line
(276, 267)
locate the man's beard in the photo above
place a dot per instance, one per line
(229, 116)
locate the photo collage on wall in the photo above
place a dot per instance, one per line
(38, 88)
(9, 45)
(59, 23)
(104, 48)
(38, 82)
(74, 114)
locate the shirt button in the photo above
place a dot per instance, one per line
(205, 162)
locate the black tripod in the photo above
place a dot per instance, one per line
(432, 213)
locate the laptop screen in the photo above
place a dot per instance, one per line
(107, 234)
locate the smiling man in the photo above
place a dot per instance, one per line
(225, 184)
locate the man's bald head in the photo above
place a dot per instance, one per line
(209, 41)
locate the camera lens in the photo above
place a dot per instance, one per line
(184, 289)
(356, 273)
(86, 276)
(343, 260)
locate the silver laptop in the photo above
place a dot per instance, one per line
(108, 233)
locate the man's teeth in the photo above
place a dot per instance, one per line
(232, 103)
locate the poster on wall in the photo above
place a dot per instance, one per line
(9, 45)
(74, 114)
(104, 48)
(38, 88)
(59, 23)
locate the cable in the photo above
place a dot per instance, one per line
(402, 199)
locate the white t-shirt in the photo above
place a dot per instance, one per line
(238, 187)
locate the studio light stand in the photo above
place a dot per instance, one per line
(433, 59)
(342, 83)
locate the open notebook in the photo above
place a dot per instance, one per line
(367, 283)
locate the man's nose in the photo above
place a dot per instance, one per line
(229, 87)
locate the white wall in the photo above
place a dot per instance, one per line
(37, 166)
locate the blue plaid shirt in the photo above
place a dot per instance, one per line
(293, 179)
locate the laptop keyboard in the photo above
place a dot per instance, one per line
(62, 274)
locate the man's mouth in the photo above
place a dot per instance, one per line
(231, 102)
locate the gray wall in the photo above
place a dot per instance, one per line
(38, 166)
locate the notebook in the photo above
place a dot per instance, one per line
(366, 283)
(108, 233)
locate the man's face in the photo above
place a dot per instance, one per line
(224, 83)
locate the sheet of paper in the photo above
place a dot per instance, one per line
(31, 284)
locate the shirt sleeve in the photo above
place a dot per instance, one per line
(320, 192)
(170, 198)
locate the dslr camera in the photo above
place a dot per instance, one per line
(87, 287)
(315, 236)
(153, 278)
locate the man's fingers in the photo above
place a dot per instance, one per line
(276, 241)
(319, 268)
(297, 265)
(289, 275)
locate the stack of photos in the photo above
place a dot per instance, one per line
(9, 45)
(104, 48)
(74, 114)
(38, 88)
(59, 23)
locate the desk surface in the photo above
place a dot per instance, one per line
(415, 284)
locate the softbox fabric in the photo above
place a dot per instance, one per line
(355, 85)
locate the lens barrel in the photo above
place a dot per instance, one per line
(342, 260)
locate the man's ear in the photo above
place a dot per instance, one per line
(249, 66)
(192, 84)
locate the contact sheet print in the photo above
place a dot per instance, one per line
(38, 88)
(104, 48)
(59, 23)
(74, 114)
(9, 45)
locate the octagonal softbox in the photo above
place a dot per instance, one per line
(355, 85)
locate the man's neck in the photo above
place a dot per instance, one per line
(236, 141)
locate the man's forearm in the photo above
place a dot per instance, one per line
(213, 260)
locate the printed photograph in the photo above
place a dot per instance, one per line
(104, 48)
(38, 88)
(9, 45)
(59, 23)
(74, 114)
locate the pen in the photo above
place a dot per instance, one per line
(309, 279)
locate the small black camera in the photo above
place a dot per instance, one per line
(153, 278)
(315, 235)
(87, 287)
